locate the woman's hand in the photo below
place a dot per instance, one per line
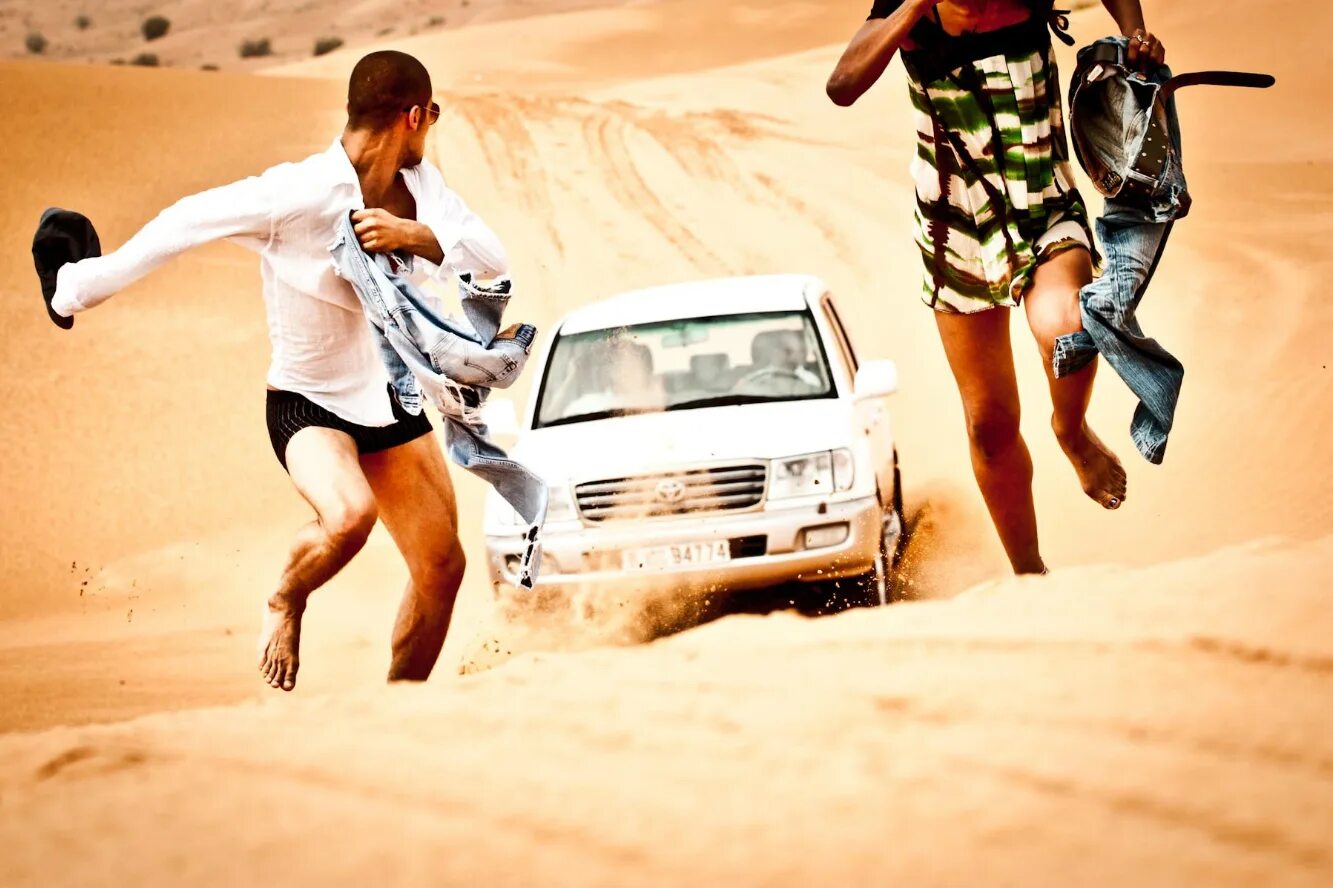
(1145, 49)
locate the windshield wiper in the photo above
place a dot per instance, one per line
(733, 400)
(600, 414)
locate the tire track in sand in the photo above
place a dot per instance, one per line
(501, 125)
(604, 131)
(695, 142)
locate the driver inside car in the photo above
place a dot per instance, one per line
(622, 379)
(778, 365)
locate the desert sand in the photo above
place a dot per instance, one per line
(1156, 711)
(203, 33)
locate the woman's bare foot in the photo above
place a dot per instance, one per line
(1100, 473)
(280, 642)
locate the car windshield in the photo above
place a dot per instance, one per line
(682, 365)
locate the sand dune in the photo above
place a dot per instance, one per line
(1155, 710)
(202, 32)
(1115, 736)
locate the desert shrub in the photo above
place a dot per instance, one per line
(155, 27)
(83, 23)
(253, 49)
(145, 60)
(36, 43)
(435, 21)
(384, 32)
(327, 44)
(209, 67)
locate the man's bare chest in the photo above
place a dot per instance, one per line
(399, 201)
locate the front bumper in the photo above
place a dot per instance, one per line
(767, 548)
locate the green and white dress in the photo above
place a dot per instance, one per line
(995, 190)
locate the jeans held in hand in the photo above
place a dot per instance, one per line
(1109, 306)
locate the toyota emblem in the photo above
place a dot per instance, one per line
(670, 490)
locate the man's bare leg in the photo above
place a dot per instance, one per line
(416, 502)
(323, 465)
(982, 360)
(1053, 311)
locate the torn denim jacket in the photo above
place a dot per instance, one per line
(1126, 135)
(454, 364)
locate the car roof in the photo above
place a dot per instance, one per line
(696, 299)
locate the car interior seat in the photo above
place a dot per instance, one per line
(711, 372)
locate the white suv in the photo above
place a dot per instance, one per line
(718, 435)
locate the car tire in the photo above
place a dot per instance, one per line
(875, 587)
(878, 587)
(901, 544)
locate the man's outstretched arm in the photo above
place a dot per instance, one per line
(241, 209)
(873, 47)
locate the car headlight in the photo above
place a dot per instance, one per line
(559, 507)
(813, 473)
(844, 469)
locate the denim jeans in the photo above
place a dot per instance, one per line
(455, 364)
(1126, 134)
(1111, 109)
(1111, 328)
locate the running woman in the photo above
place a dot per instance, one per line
(998, 221)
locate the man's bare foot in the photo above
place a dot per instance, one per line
(280, 642)
(1100, 473)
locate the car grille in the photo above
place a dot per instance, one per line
(716, 489)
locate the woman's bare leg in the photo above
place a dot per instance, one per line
(1053, 311)
(982, 361)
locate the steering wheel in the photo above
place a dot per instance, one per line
(764, 372)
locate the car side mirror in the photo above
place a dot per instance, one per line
(875, 379)
(500, 417)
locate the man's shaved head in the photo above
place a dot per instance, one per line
(382, 86)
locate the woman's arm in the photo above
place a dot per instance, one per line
(1144, 47)
(871, 50)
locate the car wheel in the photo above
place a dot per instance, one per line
(900, 544)
(876, 587)
(879, 587)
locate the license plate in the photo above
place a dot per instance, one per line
(680, 555)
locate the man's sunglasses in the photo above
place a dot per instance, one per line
(432, 112)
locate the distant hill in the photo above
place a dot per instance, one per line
(203, 33)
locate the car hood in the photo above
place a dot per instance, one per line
(631, 445)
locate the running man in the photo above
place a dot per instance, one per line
(351, 451)
(998, 221)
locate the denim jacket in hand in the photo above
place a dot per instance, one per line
(454, 363)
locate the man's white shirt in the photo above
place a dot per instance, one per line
(323, 347)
